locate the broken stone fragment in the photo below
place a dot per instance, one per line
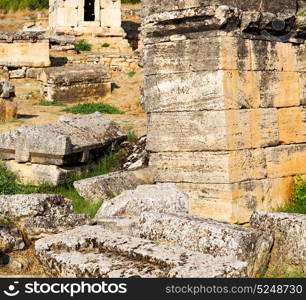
(10, 239)
(68, 141)
(92, 251)
(103, 187)
(38, 215)
(158, 197)
(7, 89)
(289, 233)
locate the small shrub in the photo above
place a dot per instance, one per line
(297, 203)
(131, 136)
(301, 12)
(105, 45)
(90, 108)
(82, 45)
(8, 185)
(50, 103)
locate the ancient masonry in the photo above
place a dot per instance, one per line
(8, 109)
(86, 16)
(225, 90)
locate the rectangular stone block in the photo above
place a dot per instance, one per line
(286, 160)
(223, 53)
(236, 202)
(23, 49)
(292, 125)
(208, 167)
(212, 130)
(208, 90)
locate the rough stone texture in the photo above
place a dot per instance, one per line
(224, 89)
(159, 197)
(10, 239)
(65, 142)
(24, 49)
(289, 233)
(91, 251)
(209, 237)
(39, 215)
(103, 187)
(76, 83)
(8, 109)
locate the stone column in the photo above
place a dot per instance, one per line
(224, 90)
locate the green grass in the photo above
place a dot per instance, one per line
(15, 5)
(301, 12)
(50, 103)
(108, 163)
(105, 45)
(82, 45)
(90, 108)
(297, 203)
(131, 74)
(131, 136)
(131, 1)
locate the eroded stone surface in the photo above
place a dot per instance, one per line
(289, 233)
(158, 197)
(103, 187)
(130, 256)
(39, 215)
(10, 239)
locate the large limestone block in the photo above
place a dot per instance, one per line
(24, 49)
(38, 215)
(65, 142)
(218, 90)
(208, 166)
(236, 202)
(158, 197)
(110, 254)
(286, 160)
(103, 187)
(292, 125)
(209, 237)
(289, 232)
(212, 130)
(159, 6)
(220, 52)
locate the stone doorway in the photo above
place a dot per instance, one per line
(89, 10)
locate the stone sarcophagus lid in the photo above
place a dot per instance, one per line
(225, 92)
(101, 17)
(24, 49)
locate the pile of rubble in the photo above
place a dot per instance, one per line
(147, 232)
(54, 152)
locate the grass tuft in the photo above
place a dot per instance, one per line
(90, 108)
(108, 163)
(105, 45)
(131, 74)
(82, 45)
(297, 203)
(301, 12)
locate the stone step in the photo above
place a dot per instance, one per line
(58, 256)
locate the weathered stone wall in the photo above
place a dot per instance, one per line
(225, 90)
(24, 49)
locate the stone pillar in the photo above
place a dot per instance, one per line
(225, 92)
(8, 109)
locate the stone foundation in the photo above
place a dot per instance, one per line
(225, 97)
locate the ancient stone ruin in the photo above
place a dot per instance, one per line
(8, 109)
(24, 49)
(101, 17)
(55, 152)
(75, 83)
(224, 90)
